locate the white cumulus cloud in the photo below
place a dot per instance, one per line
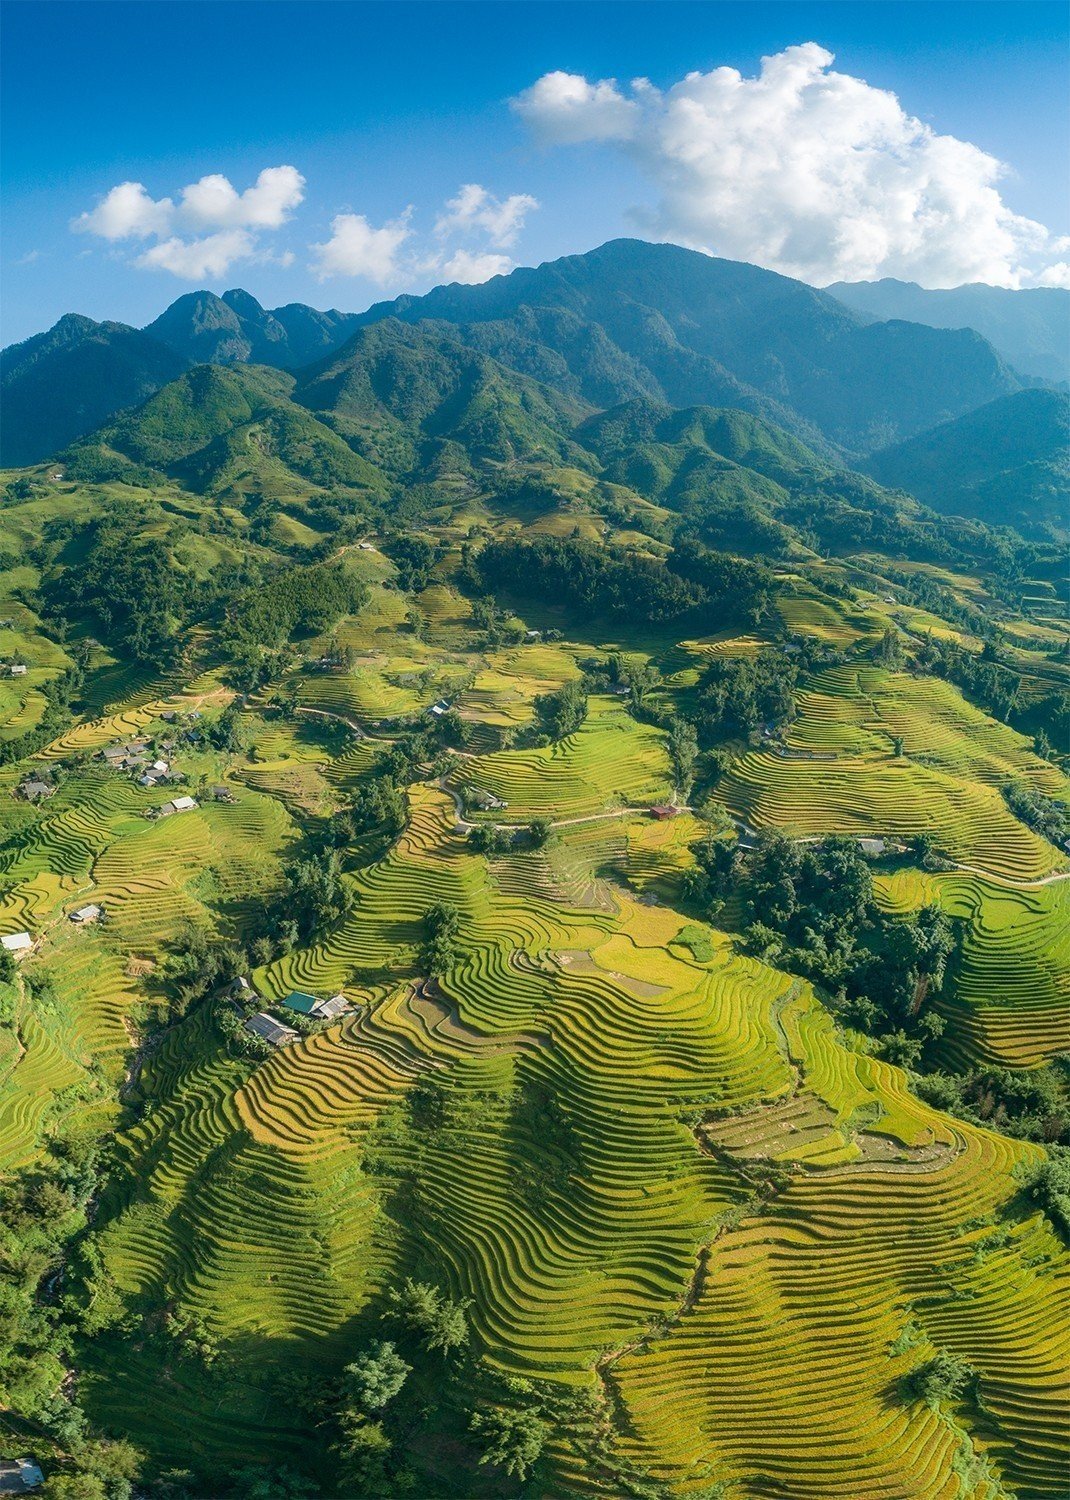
(394, 254)
(564, 109)
(357, 248)
(475, 209)
(206, 258)
(235, 221)
(214, 202)
(805, 170)
(472, 266)
(127, 212)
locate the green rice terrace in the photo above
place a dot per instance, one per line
(507, 999)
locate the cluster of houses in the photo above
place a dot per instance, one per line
(151, 770)
(270, 1029)
(148, 765)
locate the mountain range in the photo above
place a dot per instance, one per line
(535, 367)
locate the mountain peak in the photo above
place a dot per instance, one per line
(243, 303)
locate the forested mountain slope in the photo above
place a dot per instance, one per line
(1007, 463)
(235, 329)
(63, 383)
(691, 323)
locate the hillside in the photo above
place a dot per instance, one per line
(412, 415)
(548, 1200)
(63, 383)
(1008, 463)
(1030, 328)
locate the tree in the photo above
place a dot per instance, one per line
(889, 652)
(376, 1376)
(1049, 1186)
(939, 1379)
(897, 746)
(441, 923)
(683, 752)
(561, 713)
(486, 838)
(514, 1439)
(540, 831)
(642, 681)
(434, 1319)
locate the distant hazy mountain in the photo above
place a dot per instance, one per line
(235, 329)
(630, 321)
(63, 383)
(1006, 463)
(1030, 328)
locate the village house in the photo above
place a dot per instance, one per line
(222, 794)
(482, 800)
(126, 756)
(36, 791)
(872, 848)
(269, 1030)
(19, 943)
(89, 913)
(177, 805)
(664, 810)
(17, 669)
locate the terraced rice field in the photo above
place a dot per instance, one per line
(610, 762)
(654, 1165)
(840, 774)
(565, 1193)
(1007, 999)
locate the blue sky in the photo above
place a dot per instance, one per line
(386, 110)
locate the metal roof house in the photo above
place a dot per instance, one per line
(302, 1003)
(87, 914)
(315, 1008)
(17, 942)
(269, 1030)
(19, 1475)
